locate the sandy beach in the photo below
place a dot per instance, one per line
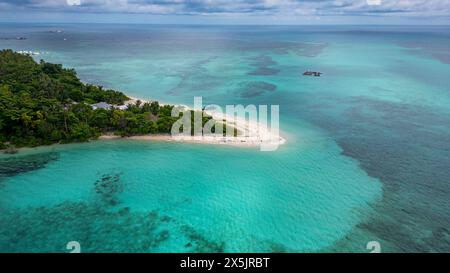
(255, 133)
(235, 141)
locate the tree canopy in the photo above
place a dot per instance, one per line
(44, 103)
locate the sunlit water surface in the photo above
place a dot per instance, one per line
(366, 157)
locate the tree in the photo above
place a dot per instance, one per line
(43, 103)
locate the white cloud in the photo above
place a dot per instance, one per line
(73, 2)
(273, 7)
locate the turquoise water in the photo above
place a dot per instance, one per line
(365, 158)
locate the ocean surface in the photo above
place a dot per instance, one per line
(367, 155)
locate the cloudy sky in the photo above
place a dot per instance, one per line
(230, 11)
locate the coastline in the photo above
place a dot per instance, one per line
(234, 141)
(256, 134)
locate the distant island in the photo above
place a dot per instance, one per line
(44, 103)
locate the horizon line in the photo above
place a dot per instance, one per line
(225, 24)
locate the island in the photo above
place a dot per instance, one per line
(44, 103)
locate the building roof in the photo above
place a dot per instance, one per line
(102, 105)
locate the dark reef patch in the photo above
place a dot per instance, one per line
(308, 50)
(301, 49)
(199, 244)
(274, 247)
(107, 187)
(254, 88)
(438, 51)
(407, 148)
(14, 165)
(262, 64)
(304, 49)
(97, 228)
(264, 71)
(194, 78)
(262, 60)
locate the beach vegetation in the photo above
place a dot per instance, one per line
(43, 103)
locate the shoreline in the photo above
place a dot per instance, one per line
(213, 140)
(256, 134)
(232, 142)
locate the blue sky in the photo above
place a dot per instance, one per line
(229, 11)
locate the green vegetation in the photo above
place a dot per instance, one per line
(44, 103)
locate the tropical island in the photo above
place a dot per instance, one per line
(44, 103)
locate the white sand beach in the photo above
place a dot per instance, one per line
(255, 133)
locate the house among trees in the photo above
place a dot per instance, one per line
(107, 106)
(102, 105)
(44, 103)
